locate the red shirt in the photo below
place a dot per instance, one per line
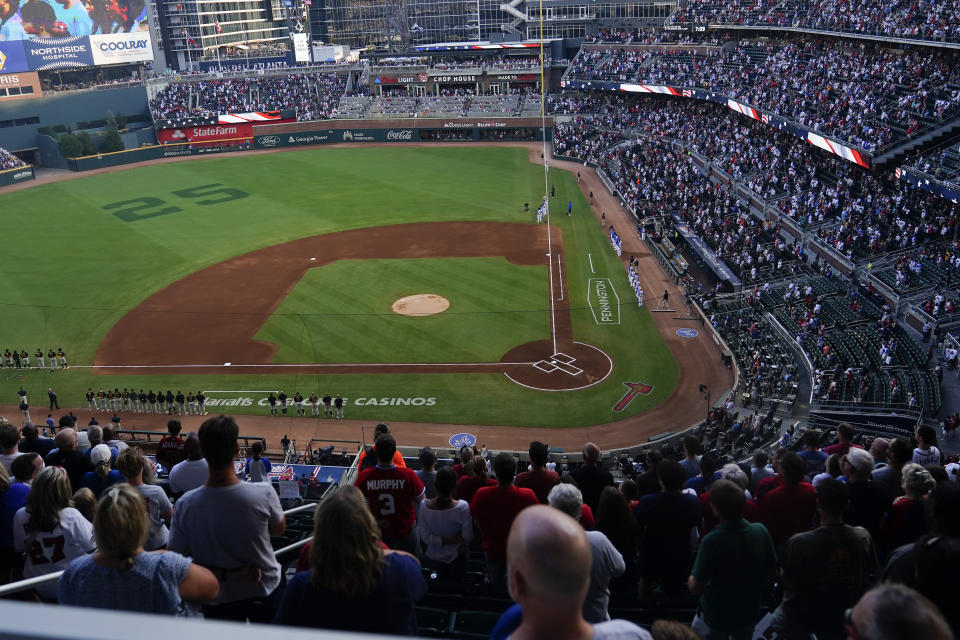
(170, 451)
(467, 486)
(842, 448)
(587, 520)
(494, 509)
(789, 509)
(392, 494)
(540, 482)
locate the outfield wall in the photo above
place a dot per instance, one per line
(16, 176)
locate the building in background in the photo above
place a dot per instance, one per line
(396, 25)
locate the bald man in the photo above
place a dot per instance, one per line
(591, 479)
(893, 611)
(549, 560)
(67, 456)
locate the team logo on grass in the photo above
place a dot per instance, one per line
(635, 389)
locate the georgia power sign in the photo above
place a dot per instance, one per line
(119, 48)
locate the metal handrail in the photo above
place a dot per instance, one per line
(29, 583)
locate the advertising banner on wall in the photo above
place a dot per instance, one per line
(12, 57)
(15, 86)
(121, 48)
(58, 53)
(301, 48)
(205, 134)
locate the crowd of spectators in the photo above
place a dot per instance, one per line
(8, 160)
(861, 93)
(683, 526)
(314, 96)
(860, 214)
(915, 19)
(942, 163)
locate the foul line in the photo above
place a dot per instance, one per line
(324, 365)
(560, 276)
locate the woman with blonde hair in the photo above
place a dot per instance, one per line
(354, 583)
(50, 530)
(133, 465)
(120, 575)
(905, 521)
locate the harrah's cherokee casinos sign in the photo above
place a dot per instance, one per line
(206, 133)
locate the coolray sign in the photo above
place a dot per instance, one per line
(121, 48)
(603, 301)
(205, 134)
(58, 53)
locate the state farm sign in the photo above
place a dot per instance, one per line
(206, 133)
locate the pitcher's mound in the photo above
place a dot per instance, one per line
(422, 304)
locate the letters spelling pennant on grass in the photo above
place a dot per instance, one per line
(635, 389)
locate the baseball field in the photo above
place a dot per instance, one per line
(243, 274)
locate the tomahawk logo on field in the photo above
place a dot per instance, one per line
(635, 389)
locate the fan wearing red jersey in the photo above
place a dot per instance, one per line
(392, 493)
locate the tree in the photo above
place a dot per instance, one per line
(116, 120)
(87, 148)
(111, 141)
(70, 146)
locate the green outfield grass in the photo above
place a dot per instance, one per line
(72, 269)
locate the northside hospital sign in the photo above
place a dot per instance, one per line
(75, 52)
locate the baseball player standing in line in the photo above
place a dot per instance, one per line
(25, 358)
(272, 401)
(338, 404)
(61, 359)
(298, 402)
(40, 362)
(201, 403)
(314, 405)
(52, 357)
(89, 395)
(282, 398)
(327, 408)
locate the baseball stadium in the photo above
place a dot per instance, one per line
(318, 301)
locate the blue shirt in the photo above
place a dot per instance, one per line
(152, 585)
(10, 502)
(393, 599)
(93, 481)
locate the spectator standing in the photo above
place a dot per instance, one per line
(607, 562)
(192, 472)
(363, 463)
(926, 451)
(648, 482)
(392, 494)
(735, 566)
(824, 571)
(13, 496)
(708, 469)
(32, 442)
(550, 593)
(131, 463)
(760, 470)
(49, 530)
(789, 508)
(895, 612)
(813, 457)
(751, 512)
(615, 520)
(446, 528)
(9, 444)
(427, 471)
(930, 564)
(102, 475)
(120, 575)
(591, 479)
(537, 478)
(668, 521)
(869, 502)
(353, 583)
(468, 485)
(494, 510)
(110, 437)
(257, 468)
(691, 460)
(905, 522)
(170, 448)
(67, 456)
(889, 476)
(226, 525)
(845, 435)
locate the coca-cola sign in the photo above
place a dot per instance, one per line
(401, 134)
